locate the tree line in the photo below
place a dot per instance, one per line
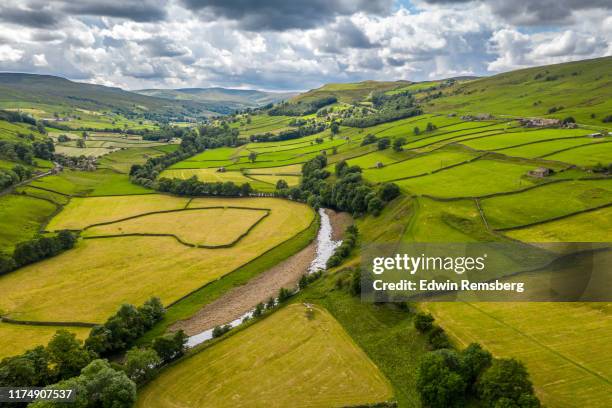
(301, 131)
(68, 363)
(301, 108)
(388, 109)
(10, 177)
(192, 143)
(37, 249)
(349, 192)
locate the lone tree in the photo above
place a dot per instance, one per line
(252, 157)
(334, 128)
(281, 184)
(383, 143)
(398, 143)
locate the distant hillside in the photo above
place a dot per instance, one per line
(19, 90)
(581, 89)
(349, 92)
(221, 100)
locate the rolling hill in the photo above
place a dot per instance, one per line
(52, 94)
(580, 89)
(220, 100)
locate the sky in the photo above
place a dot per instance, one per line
(293, 45)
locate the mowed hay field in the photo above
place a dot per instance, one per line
(131, 269)
(82, 212)
(285, 360)
(17, 338)
(565, 346)
(204, 227)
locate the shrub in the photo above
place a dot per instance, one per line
(219, 331)
(438, 339)
(284, 294)
(423, 322)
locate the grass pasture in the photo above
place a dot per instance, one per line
(589, 155)
(16, 338)
(133, 268)
(593, 226)
(478, 178)
(287, 359)
(546, 147)
(200, 227)
(545, 202)
(562, 344)
(21, 218)
(515, 138)
(122, 160)
(416, 166)
(83, 183)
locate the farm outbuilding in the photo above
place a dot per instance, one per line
(540, 172)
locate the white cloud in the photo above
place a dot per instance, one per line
(10, 54)
(39, 60)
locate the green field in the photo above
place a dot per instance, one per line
(122, 160)
(503, 141)
(417, 166)
(594, 226)
(82, 183)
(545, 202)
(545, 148)
(478, 178)
(585, 155)
(287, 359)
(21, 218)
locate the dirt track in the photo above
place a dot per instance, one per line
(240, 300)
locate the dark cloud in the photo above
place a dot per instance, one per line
(344, 34)
(535, 12)
(136, 10)
(48, 14)
(164, 47)
(279, 15)
(36, 17)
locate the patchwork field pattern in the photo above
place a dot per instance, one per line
(287, 359)
(133, 268)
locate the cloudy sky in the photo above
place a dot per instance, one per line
(293, 45)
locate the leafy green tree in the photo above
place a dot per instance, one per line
(334, 128)
(474, 360)
(259, 309)
(281, 184)
(369, 139)
(398, 143)
(140, 364)
(284, 294)
(416, 131)
(438, 382)
(423, 322)
(389, 191)
(171, 346)
(80, 143)
(375, 206)
(98, 386)
(252, 157)
(67, 355)
(383, 143)
(438, 339)
(430, 127)
(506, 378)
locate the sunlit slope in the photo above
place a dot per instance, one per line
(582, 89)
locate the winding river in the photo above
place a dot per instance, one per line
(325, 249)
